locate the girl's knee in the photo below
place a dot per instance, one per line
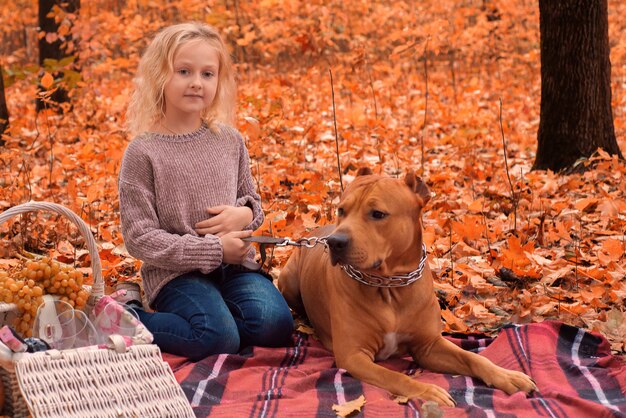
(209, 342)
(283, 326)
(274, 330)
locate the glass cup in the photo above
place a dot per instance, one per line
(81, 334)
(63, 327)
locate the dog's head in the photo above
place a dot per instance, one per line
(379, 227)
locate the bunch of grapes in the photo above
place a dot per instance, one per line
(35, 279)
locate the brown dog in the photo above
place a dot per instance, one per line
(370, 295)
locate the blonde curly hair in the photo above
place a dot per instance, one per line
(147, 103)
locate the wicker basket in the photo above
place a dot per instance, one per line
(87, 382)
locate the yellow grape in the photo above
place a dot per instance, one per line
(26, 286)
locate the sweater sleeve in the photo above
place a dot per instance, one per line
(246, 188)
(143, 236)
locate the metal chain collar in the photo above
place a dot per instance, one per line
(369, 279)
(376, 280)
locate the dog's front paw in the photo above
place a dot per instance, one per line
(428, 392)
(512, 381)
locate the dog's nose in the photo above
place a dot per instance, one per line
(338, 243)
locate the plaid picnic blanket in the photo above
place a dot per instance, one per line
(574, 370)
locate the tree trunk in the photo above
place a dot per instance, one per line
(54, 50)
(576, 116)
(4, 110)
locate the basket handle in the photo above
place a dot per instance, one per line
(97, 290)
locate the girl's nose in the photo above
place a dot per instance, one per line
(195, 83)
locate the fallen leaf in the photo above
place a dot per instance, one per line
(431, 409)
(47, 80)
(402, 400)
(453, 322)
(587, 204)
(612, 249)
(348, 408)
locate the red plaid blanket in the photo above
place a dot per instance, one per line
(574, 370)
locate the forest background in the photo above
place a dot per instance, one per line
(410, 85)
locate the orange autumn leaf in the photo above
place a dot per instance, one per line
(47, 80)
(477, 205)
(574, 308)
(454, 323)
(564, 229)
(516, 253)
(350, 407)
(613, 326)
(586, 204)
(470, 228)
(611, 250)
(594, 292)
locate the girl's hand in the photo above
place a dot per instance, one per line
(233, 248)
(225, 219)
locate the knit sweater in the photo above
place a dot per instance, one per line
(166, 184)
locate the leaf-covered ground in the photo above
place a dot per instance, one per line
(415, 85)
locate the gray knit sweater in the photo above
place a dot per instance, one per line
(166, 183)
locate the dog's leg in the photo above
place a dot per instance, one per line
(289, 283)
(446, 357)
(360, 366)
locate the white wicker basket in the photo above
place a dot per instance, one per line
(101, 383)
(133, 382)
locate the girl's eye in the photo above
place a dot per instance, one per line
(183, 71)
(208, 74)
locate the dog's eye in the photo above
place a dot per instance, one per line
(377, 214)
(340, 212)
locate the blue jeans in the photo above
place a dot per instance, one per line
(198, 315)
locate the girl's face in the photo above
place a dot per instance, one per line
(191, 87)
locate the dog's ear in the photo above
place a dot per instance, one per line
(418, 186)
(364, 171)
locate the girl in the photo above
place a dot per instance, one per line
(187, 199)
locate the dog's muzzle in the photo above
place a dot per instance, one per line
(338, 244)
